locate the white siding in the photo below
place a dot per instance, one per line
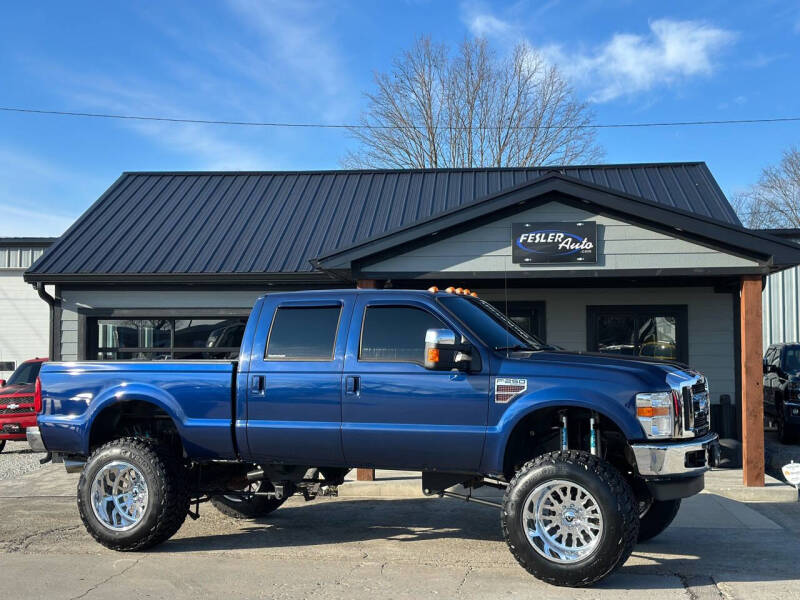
(620, 246)
(24, 320)
(710, 322)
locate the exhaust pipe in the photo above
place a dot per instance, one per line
(74, 466)
(256, 475)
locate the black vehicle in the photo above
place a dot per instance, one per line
(782, 389)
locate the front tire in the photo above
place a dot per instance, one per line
(2, 445)
(658, 516)
(569, 518)
(132, 494)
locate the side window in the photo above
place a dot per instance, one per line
(395, 333)
(303, 333)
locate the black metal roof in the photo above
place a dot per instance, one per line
(172, 224)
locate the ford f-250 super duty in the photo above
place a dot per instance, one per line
(593, 452)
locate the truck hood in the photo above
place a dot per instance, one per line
(653, 374)
(16, 390)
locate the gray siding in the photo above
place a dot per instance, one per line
(620, 246)
(710, 322)
(711, 343)
(781, 312)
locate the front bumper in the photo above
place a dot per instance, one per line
(791, 413)
(676, 459)
(35, 439)
(13, 427)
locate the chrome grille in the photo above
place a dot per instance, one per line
(696, 408)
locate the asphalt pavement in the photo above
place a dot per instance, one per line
(378, 548)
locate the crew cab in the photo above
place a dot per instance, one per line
(593, 452)
(16, 401)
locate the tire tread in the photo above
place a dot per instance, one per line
(626, 506)
(170, 477)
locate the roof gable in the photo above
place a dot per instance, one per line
(733, 239)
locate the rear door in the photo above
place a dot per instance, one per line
(397, 414)
(295, 381)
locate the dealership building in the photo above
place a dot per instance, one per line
(640, 259)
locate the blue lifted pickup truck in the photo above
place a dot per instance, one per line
(593, 452)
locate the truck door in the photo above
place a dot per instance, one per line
(397, 414)
(295, 381)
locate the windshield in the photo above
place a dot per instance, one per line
(489, 324)
(25, 374)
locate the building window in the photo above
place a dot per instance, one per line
(166, 338)
(396, 333)
(647, 331)
(303, 333)
(530, 316)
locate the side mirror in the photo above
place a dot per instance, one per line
(2, 382)
(442, 353)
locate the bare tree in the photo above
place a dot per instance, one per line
(472, 109)
(775, 200)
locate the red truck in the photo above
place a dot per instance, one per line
(16, 401)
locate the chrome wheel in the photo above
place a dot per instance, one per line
(119, 496)
(562, 521)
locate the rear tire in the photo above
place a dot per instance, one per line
(657, 518)
(586, 502)
(246, 508)
(132, 494)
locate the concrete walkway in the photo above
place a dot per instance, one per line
(356, 547)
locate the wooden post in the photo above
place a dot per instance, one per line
(366, 474)
(752, 382)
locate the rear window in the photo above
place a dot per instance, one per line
(26, 374)
(303, 333)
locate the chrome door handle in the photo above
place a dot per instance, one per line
(257, 384)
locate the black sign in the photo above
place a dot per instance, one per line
(537, 243)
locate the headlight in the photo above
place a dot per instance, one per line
(656, 413)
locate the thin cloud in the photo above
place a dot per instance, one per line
(24, 180)
(628, 63)
(486, 25)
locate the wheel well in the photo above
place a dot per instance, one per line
(539, 432)
(134, 418)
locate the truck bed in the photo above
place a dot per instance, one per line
(197, 394)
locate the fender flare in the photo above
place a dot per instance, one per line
(141, 392)
(567, 397)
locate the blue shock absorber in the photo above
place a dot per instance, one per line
(593, 435)
(564, 437)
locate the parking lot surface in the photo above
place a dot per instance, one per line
(377, 548)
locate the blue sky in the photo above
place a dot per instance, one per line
(296, 61)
